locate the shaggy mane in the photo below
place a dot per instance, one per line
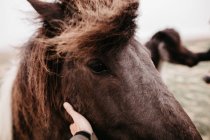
(86, 27)
(96, 25)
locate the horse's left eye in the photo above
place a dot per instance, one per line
(97, 67)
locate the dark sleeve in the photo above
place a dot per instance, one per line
(82, 135)
(79, 137)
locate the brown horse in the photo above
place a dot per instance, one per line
(166, 45)
(85, 53)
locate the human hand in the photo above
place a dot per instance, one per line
(80, 122)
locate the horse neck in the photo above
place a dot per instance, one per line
(153, 45)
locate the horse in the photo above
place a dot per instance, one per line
(86, 53)
(166, 45)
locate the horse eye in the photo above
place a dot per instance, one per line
(98, 67)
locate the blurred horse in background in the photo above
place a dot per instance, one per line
(166, 45)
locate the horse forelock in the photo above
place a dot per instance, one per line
(95, 25)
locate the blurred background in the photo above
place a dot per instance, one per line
(191, 18)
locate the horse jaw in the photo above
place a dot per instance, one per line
(6, 103)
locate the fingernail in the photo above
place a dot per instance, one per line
(65, 105)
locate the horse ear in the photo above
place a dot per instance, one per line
(48, 11)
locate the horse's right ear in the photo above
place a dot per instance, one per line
(48, 11)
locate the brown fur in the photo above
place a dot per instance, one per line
(38, 81)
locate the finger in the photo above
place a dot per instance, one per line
(75, 116)
(68, 107)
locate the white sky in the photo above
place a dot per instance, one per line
(190, 17)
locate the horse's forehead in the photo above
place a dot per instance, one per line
(135, 53)
(137, 70)
(135, 63)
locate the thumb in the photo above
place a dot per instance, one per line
(74, 128)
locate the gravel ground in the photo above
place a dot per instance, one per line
(185, 83)
(187, 86)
